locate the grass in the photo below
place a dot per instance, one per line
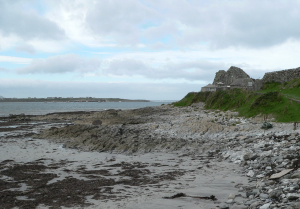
(288, 89)
(273, 101)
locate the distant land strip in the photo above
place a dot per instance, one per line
(70, 99)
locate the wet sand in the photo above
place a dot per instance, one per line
(40, 173)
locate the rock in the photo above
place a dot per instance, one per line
(247, 156)
(230, 201)
(296, 175)
(295, 205)
(250, 173)
(231, 196)
(97, 122)
(254, 205)
(265, 206)
(260, 176)
(239, 207)
(266, 125)
(292, 196)
(275, 194)
(250, 202)
(263, 196)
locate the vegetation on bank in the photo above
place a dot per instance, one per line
(273, 99)
(289, 89)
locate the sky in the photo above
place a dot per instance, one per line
(140, 49)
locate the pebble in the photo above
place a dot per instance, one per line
(231, 196)
(265, 206)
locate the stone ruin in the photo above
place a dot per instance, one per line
(234, 74)
(236, 78)
(231, 75)
(282, 76)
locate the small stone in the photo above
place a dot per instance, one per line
(254, 205)
(247, 156)
(230, 201)
(250, 202)
(97, 122)
(250, 173)
(295, 205)
(296, 175)
(263, 196)
(275, 194)
(271, 182)
(231, 196)
(292, 196)
(239, 207)
(265, 206)
(260, 176)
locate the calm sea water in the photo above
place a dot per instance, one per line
(39, 108)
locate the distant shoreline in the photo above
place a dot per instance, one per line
(71, 100)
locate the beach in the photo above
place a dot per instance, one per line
(141, 158)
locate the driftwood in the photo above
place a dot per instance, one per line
(212, 197)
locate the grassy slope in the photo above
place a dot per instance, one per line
(290, 89)
(273, 102)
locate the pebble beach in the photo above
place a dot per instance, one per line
(141, 158)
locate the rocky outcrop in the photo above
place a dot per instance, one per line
(282, 76)
(228, 77)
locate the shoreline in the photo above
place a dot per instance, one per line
(190, 147)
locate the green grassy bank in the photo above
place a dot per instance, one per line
(273, 100)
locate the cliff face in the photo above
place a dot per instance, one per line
(282, 76)
(228, 77)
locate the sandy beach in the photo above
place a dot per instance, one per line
(135, 159)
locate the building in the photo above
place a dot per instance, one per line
(243, 83)
(220, 86)
(209, 87)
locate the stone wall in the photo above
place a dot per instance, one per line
(258, 84)
(228, 77)
(282, 76)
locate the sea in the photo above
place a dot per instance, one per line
(41, 108)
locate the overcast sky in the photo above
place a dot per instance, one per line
(140, 49)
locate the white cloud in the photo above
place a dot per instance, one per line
(14, 20)
(18, 60)
(61, 64)
(26, 48)
(189, 70)
(197, 70)
(180, 23)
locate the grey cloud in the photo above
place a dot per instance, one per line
(2, 69)
(221, 24)
(127, 67)
(42, 88)
(190, 70)
(61, 64)
(119, 19)
(240, 23)
(28, 25)
(199, 70)
(26, 48)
